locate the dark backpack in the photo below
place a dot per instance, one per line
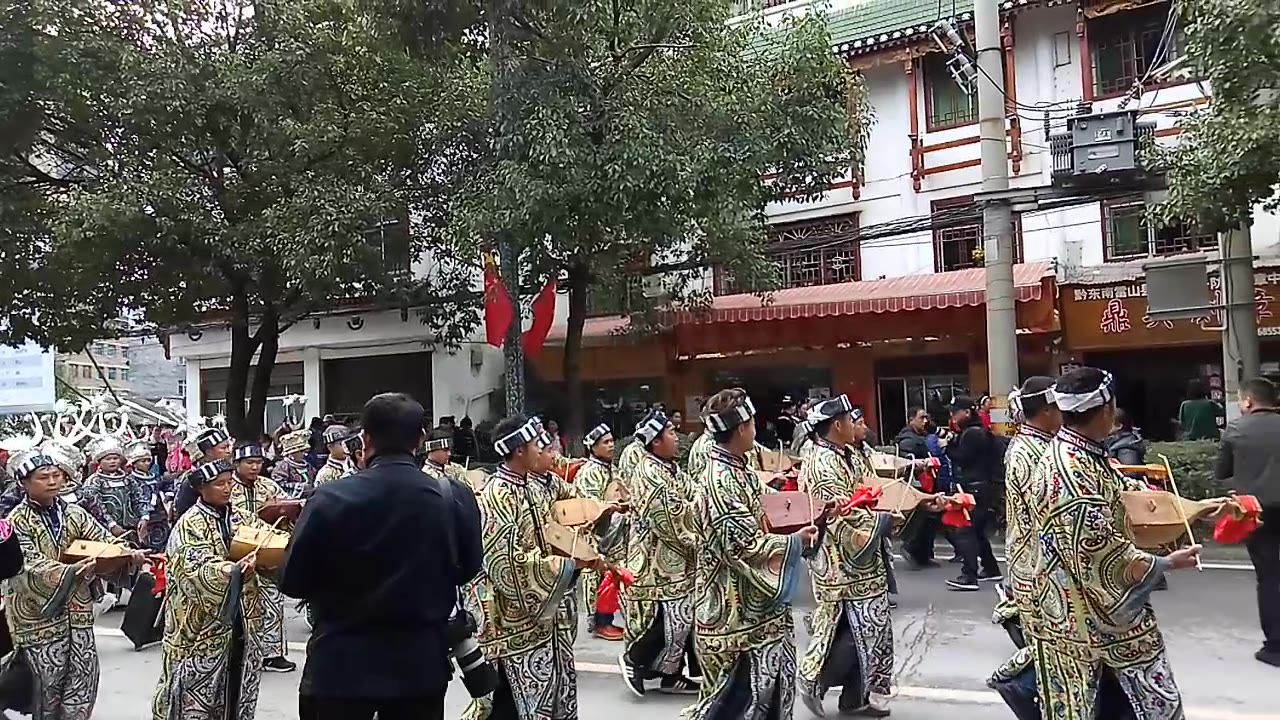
(999, 450)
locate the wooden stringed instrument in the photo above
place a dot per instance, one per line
(776, 461)
(269, 545)
(1152, 472)
(575, 544)
(108, 557)
(1157, 519)
(576, 512)
(275, 510)
(477, 479)
(889, 466)
(788, 512)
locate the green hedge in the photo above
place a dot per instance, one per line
(1192, 463)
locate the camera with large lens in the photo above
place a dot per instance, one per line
(478, 676)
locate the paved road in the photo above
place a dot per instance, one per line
(946, 648)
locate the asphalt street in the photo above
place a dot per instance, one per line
(946, 648)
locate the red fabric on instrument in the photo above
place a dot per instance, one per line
(608, 600)
(957, 513)
(1232, 529)
(158, 572)
(866, 496)
(926, 480)
(572, 471)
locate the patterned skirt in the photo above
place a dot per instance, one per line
(851, 647)
(756, 684)
(539, 684)
(195, 687)
(1075, 689)
(64, 675)
(658, 634)
(273, 639)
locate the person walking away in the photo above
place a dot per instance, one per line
(1198, 415)
(973, 455)
(1250, 459)
(380, 646)
(920, 530)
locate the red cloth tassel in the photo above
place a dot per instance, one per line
(1236, 526)
(957, 513)
(866, 497)
(544, 316)
(608, 600)
(161, 577)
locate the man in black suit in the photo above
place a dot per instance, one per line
(364, 557)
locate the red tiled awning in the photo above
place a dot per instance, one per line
(958, 288)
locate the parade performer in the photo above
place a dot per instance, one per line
(1097, 649)
(212, 662)
(49, 605)
(249, 493)
(291, 473)
(699, 451)
(594, 479)
(1036, 413)
(745, 580)
(527, 586)
(439, 445)
(208, 445)
(122, 496)
(338, 464)
(662, 555)
(851, 645)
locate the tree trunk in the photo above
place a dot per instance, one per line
(268, 339)
(243, 346)
(579, 278)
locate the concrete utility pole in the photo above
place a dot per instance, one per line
(501, 64)
(1240, 355)
(997, 218)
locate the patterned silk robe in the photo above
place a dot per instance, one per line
(124, 498)
(593, 479)
(246, 501)
(451, 470)
(524, 634)
(662, 553)
(50, 610)
(330, 471)
(1095, 628)
(743, 586)
(293, 477)
(625, 464)
(699, 453)
(211, 657)
(852, 632)
(1022, 544)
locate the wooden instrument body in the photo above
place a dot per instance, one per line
(290, 510)
(788, 512)
(575, 544)
(896, 495)
(889, 466)
(271, 545)
(576, 512)
(776, 461)
(616, 492)
(1153, 473)
(109, 557)
(477, 479)
(1155, 518)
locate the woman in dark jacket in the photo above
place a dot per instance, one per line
(1125, 445)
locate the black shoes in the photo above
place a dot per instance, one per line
(631, 676)
(279, 664)
(1270, 657)
(964, 583)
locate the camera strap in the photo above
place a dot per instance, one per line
(451, 541)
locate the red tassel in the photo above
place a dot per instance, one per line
(498, 310)
(865, 497)
(1236, 526)
(957, 513)
(161, 577)
(608, 600)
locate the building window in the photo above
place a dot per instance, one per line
(1126, 234)
(182, 388)
(946, 104)
(623, 298)
(391, 238)
(1125, 46)
(811, 252)
(124, 374)
(957, 235)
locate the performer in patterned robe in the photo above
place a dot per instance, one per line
(663, 554)
(209, 445)
(1096, 646)
(527, 588)
(123, 497)
(851, 643)
(212, 663)
(49, 605)
(744, 583)
(291, 473)
(594, 479)
(249, 493)
(439, 445)
(337, 464)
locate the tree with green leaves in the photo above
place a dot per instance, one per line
(1227, 160)
(649, 138)
(219, 161)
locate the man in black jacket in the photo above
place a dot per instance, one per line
(366, 557)
(973, 459)
(1250, 457)
(921, 528)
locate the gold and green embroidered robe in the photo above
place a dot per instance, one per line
(1092, 588)
(246, 501)
(743, 587)
(592, 480)
(330, 471)
(50, 610)
(209, 655)
(850, 584)
(1022, 545)
(662, 553)
(450, 470)
(524, 607)
(699, 453)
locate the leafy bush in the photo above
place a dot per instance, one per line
(1192, 464)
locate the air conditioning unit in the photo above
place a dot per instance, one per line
(1101, 149)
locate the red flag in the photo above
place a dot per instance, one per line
(544, 314)
(498, 312)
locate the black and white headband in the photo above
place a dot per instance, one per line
(1018, 399)
(211, 439)
(733, 417)
(1081, 402)
(829, 409)
(597, 434)
(439, 444)
(247, 452)
(523, 435)
(336, 434)
(32, 464)
(651, 427)
(208, 472)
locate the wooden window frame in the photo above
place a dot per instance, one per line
(782, 255)
(1153, 250)
(1088, 30)
(938, 241)
(924, 89)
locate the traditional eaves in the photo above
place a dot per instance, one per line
(872, 25)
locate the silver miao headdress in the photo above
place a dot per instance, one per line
(61, 434)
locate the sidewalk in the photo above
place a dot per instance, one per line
(1213, 552)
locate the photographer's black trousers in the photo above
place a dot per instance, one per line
(429, 707)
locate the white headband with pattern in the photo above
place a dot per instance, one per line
(1081, 402)
(596, 434)
(523, 435)
(652, 426)
(733, 417)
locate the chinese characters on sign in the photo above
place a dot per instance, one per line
(1115, 319)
